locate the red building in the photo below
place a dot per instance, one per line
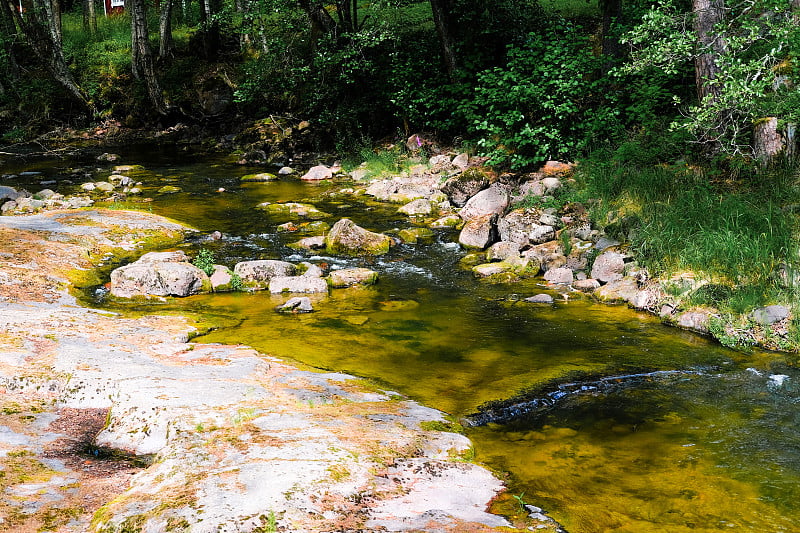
(114, 7)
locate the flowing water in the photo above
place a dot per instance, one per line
(700, 439)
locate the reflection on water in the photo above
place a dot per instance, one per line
(709, 451)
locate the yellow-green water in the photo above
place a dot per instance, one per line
(711, 450)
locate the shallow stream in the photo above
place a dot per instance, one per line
(712, 446)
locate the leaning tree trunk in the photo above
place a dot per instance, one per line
(708, 13)
(442, 15)
(41, 28)
(142, 56)
(166, 48)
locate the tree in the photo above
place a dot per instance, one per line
(443, 20)
(708, 17)
(142, 56)
(735, 51)
(166, 47)
(41, 28)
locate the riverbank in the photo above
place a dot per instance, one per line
(193, 436)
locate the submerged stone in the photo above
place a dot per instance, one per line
(298, 304)
(261, 176)
(415, 235)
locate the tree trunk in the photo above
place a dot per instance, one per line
(708, 13)
(166, 47)
(210, 32)
(142, 56)
(442, 19)
(41, 28)
(92, 17)
(611, 10)
(319, 20)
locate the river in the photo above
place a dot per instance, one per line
(710, 445)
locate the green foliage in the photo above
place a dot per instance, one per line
(205, 261)
(544, 103)
(758, 37)
(236, 283)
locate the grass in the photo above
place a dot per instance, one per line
(735, 235)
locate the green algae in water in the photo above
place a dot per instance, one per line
(696, 453)
(704, 454)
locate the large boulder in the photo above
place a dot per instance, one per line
(479, 232)
(464, 186)
(559, 275)
(257, 274)
(770, 314)
(549, 255)
(491, 201)
(517, 225)
(318, 173)
(608, 266)
(151, 276)
(345, 237)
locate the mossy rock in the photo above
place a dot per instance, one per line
(169, 189)
(346, 238)
(472, 259)
(415, 235)
(317, 227)
(293, 210)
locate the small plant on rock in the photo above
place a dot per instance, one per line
(205, 261)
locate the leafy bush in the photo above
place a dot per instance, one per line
(205, 261)
(545, 103)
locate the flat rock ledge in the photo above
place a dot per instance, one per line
(235, 440)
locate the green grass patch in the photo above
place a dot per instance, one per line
(737, 236)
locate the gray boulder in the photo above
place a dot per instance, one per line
(559, 275)
(479, 232)
(618, 290)
(694, 320)
(541, 234)
(540, 299)
(220, 278)
(464, 186)
(517, 225)
(491, 201)
(317, 173)
(259, 273)
(156, 278)
(8, 193)
(345, 237)
(608, 266)
(770, 314)
(586, 285)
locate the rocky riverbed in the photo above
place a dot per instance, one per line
(115, 423)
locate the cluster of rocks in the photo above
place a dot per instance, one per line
(171, 274)
(117, 182)
(19, 201)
